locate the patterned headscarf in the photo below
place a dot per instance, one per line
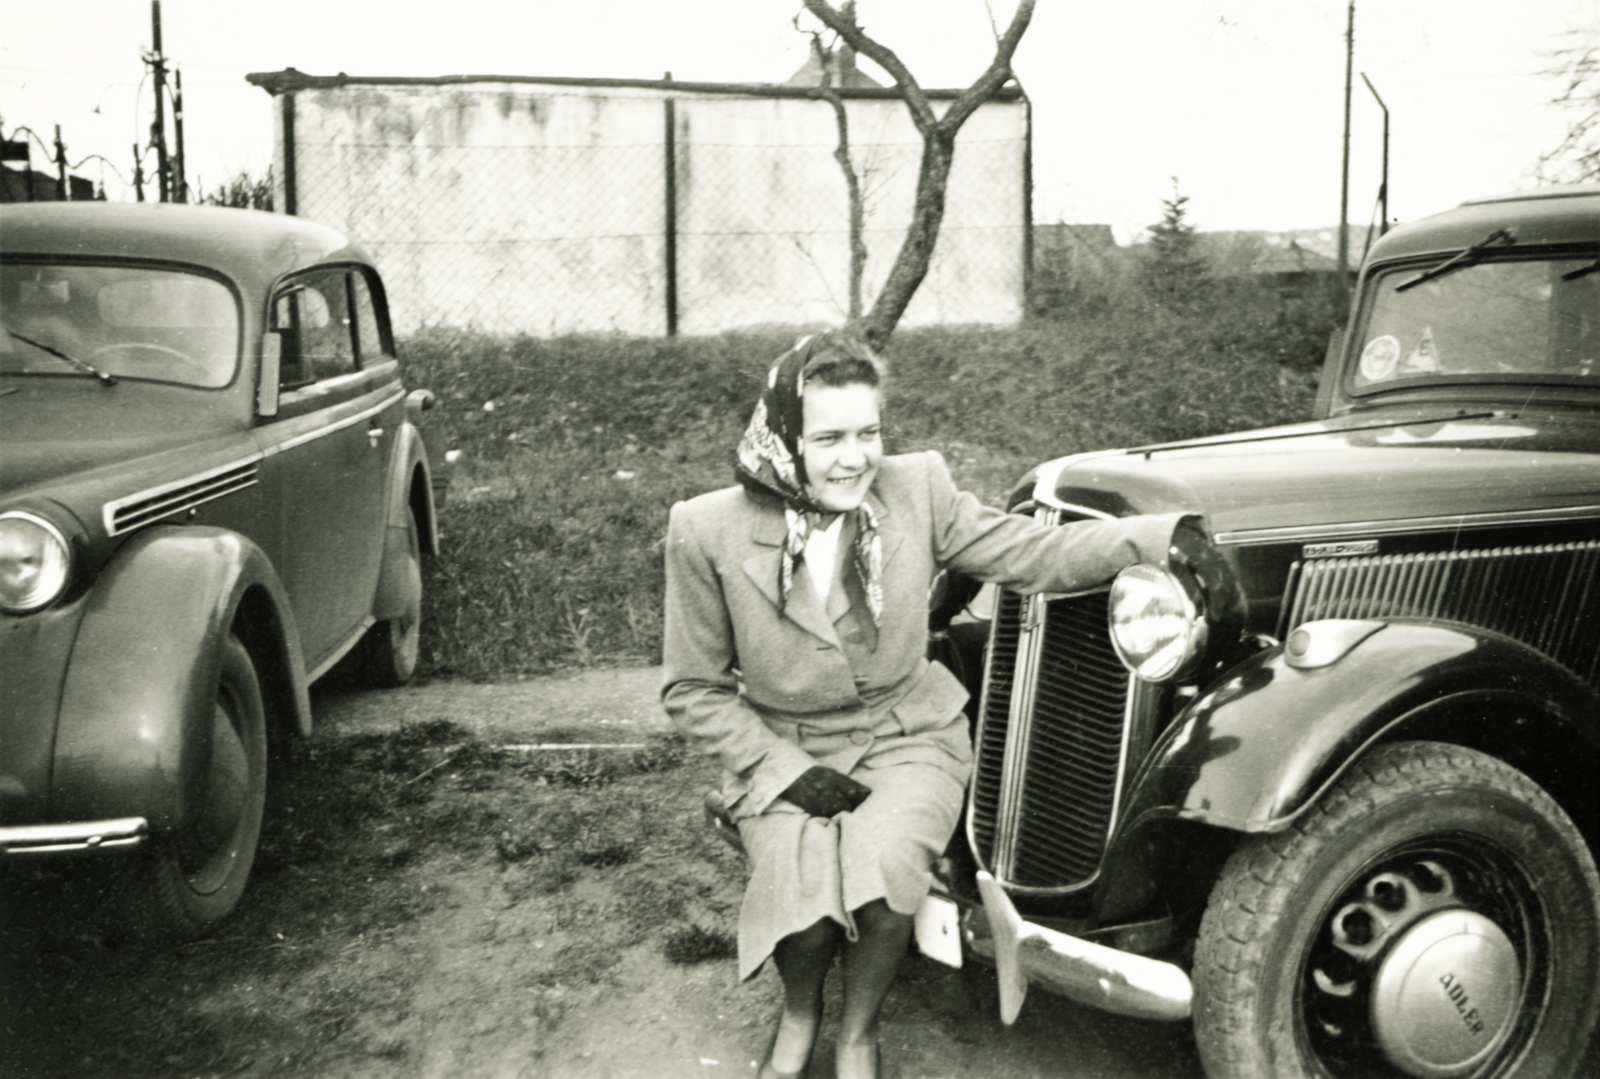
(772, 459)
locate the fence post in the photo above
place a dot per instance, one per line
(1027, 206)
(290, 202)
(670, 217)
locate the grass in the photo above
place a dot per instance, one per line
(565, 859)
(573, 449)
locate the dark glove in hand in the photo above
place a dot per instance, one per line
(823, 792)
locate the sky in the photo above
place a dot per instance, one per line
(1241, 101)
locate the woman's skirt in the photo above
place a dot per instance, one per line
(805, 868)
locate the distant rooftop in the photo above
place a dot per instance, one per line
(842, 72)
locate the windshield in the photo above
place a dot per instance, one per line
(129, 322)
(1518, 321)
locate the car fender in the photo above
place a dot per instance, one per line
(1258, 746)
(136, 704)
(409, 482)
(1263, 743)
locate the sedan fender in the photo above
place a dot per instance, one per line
(410, 494)
(136, 706)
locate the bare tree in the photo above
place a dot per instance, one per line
(938, 151)
(1577, 157)
(841, 153)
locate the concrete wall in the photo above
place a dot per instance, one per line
(518, 206)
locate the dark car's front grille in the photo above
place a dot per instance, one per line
(1543, 596)
(1051, 744)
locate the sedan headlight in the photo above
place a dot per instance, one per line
(1157, 625)
(34, 562)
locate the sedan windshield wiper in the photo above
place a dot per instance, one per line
(1465, 257)
(1581, 271)
(82, 365)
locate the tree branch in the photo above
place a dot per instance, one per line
(938, 152)
(841, 154)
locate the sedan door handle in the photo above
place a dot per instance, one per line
(374, 433)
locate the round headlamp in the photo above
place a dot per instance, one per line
(1156, 622)
(34, 560)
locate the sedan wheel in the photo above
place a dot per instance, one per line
(1436, 915)
(387, 655)
(196, 874)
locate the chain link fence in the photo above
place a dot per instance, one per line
(551, 207)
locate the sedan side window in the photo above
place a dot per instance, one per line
(312, 318)
(369, 333)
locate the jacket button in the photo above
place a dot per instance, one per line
(860, 738)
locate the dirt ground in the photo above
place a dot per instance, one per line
(448, 995)
(671, 1021)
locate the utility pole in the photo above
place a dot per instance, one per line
(1383, 187)
(158, 65)
(180, 182)
(63, 189)
(1344, 172)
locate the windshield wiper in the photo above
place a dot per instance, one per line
(82, 365)
(1581, 271)
(1461, 258)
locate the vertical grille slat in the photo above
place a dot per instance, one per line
(1537, 595)
(1064, 751)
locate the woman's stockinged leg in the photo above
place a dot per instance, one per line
(803, 960)
(869, 966)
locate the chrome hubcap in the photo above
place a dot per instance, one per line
(1410, 976)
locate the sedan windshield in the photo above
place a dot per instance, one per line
(1524, 320)
(129, 322)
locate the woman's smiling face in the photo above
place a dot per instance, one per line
(842, 443)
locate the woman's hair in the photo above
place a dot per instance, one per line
(836, 359)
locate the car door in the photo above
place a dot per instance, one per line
(326, 454)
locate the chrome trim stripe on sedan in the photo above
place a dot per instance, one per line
(323, 432)
(85, 836)
(1303, 533)
(134, 511)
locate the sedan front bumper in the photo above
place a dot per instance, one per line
(86, 837)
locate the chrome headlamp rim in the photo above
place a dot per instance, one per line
(56, 571)
(1157, 653)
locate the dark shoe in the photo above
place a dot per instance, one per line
(767, 1071)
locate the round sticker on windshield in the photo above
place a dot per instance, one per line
(1379, 358)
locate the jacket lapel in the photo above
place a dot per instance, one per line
(804, 608)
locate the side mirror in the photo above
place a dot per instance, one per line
(267, 386)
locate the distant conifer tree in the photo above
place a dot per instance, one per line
(1173, 269)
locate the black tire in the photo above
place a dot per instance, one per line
(386, 656)
(194, 876)
(1435, 914)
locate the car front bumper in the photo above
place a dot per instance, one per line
(86, 837)
(1091, 974)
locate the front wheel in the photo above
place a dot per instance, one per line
(195, 875)
(1437, 914)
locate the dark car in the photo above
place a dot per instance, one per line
(212, 489)
(1325, 782)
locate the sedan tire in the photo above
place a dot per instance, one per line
(1436, 914)
(386, 656)
(195, 875)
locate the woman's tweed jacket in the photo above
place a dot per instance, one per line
(770, 695)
